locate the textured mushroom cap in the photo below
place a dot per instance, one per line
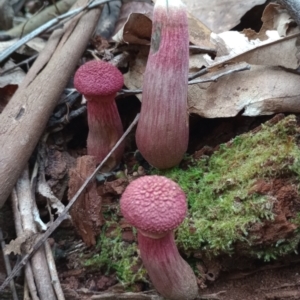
(98, 77)
(154, 204)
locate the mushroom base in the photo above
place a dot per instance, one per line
(171, 276)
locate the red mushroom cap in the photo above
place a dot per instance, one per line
(98, 77)
(154, 204)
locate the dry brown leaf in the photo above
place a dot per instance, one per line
(134, 25)
(275, 51)
(199, 33)
(274, 17)
(86, 211)
(219, 15)
(261, 91)
(275, 44)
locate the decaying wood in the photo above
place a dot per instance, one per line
(25, 116)
(86, 212)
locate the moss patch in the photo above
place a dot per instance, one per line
(117, 256)
(232, 198)
(243, 200)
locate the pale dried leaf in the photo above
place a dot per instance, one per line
(272, 52)
(275, 44)
(13, 77)
(15, 245)
(199, 33)
(45, 191)
(36, 44)
(261, 91)
(274, 17)
(219, 15)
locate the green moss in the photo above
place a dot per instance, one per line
(117, 256)
(221, 205)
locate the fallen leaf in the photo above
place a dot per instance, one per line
(15, 246)
(134, 25)
(219, 15)
(261, 91)
(86, 211)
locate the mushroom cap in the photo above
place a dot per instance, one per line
(154, 204)
(98, 77)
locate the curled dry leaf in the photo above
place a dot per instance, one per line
(86, 211)
(134, 25)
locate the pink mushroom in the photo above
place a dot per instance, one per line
(156, 205)
(99, 82)
(163, 129)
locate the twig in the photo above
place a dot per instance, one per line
(61, 217)
(198, 74)
(211, 296)
(53, 272)
(24, 62)
(197, 49)
(18, 226)
(38, 260)
(231, 69)
(8, 267)
(8, 51)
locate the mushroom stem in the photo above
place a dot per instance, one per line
(170, 274)
(104, 128)
(163, 129)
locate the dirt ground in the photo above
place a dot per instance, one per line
(276, 281)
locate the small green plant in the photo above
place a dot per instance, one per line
(223, 201)
(117, 256)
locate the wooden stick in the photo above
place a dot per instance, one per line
(24, 118)
(38, 261)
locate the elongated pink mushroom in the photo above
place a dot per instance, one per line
(156, 205)
(162, 131)
(99, 82)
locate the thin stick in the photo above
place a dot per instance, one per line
(19, 230)
(53, 272)
(214, 77)
(61, 217)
